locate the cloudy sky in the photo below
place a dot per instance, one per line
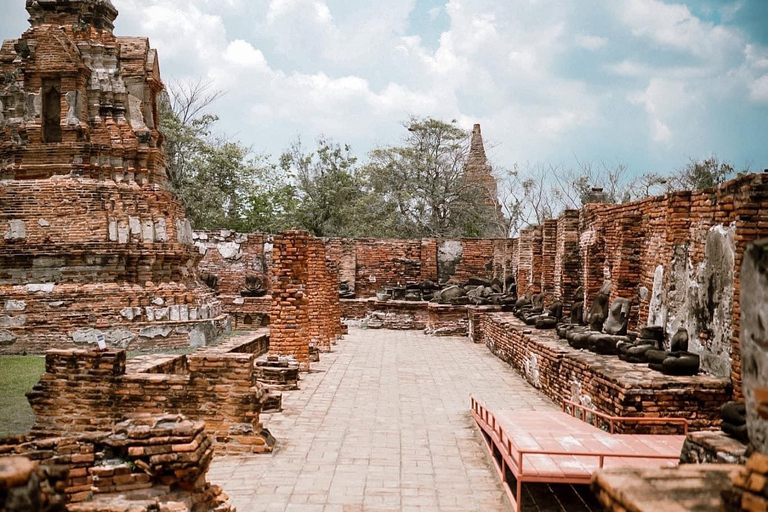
(648, 83)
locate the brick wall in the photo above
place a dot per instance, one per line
(567, 267)
(614, 386)
(86, 391)
(231, 256)
(91, 236)
(305, 297)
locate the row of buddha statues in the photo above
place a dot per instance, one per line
(604, 330)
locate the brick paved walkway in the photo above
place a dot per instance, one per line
(383, 424)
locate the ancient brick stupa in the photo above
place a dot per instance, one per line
(91, 241)
(478, 171)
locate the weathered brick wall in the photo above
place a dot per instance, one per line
(447, 320)
(429, 260)
(477, 258)
(231, 256)
(567, 267)
(289, 320)
(677, 257)
(305, 297)
(525, 262)
(548, 256)
(86, 391)
(91, 237)
(322, 286)
(386, 263)
(393, 262)
(614, 386)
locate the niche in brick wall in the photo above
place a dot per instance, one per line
(51, 114)
(700, 299)
(449, 254)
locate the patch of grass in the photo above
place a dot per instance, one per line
(18, 374)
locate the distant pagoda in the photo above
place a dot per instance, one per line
(92, 241)
(480, 173)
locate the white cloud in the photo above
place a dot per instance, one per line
(666, 102)
(674, 26)
(353, 71)
(590, 42)
(758, 90)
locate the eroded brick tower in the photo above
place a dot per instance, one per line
(479, 172)
(91, 240)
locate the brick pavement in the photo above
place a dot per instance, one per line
(380, 424)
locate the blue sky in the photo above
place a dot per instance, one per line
(648, 83)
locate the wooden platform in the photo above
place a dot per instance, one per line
(555, 447)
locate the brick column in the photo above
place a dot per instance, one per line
(548, 255)
(429, 259)
(592, 252)
(567, 259)
(525, 261)
(536, 259)
(289, 321)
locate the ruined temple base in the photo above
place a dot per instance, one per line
(435, 319)
(132, 336)
(613, 386)
(712, 447)
(681, 489)
(247, 313)
(447, 320)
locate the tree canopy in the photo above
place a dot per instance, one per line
(414, 189)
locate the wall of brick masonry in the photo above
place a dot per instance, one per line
(86, 391)
(147, 463)
(567, 266)
(306, 310)
(447, 320)
(91, 236)
(613, 386)
(392, 262)
(231, 256)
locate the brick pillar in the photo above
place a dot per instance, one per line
(536, 259)
(429, 259)
(592, 252)
(548, 255)
(567, 271)
(627, 273)
(289, 321)
(317, 291)
(525, 262)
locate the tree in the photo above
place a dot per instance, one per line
(186, 125)
(221, 183)
(698, 174)
(422, 182)
(328, 191)
(527, 197)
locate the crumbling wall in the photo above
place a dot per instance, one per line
(148, 463)
(305, 297)
(85, 391)
(230, 256)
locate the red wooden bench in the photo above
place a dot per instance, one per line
(557, 447)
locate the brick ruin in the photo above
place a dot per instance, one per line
(675, 257)
(93, 242)
(144, 464)
(238, 267)
(729, 481)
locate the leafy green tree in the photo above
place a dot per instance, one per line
(328, 190)
(423, 184)
(698, 174)
(219, 181)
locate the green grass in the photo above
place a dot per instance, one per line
(17, 376)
